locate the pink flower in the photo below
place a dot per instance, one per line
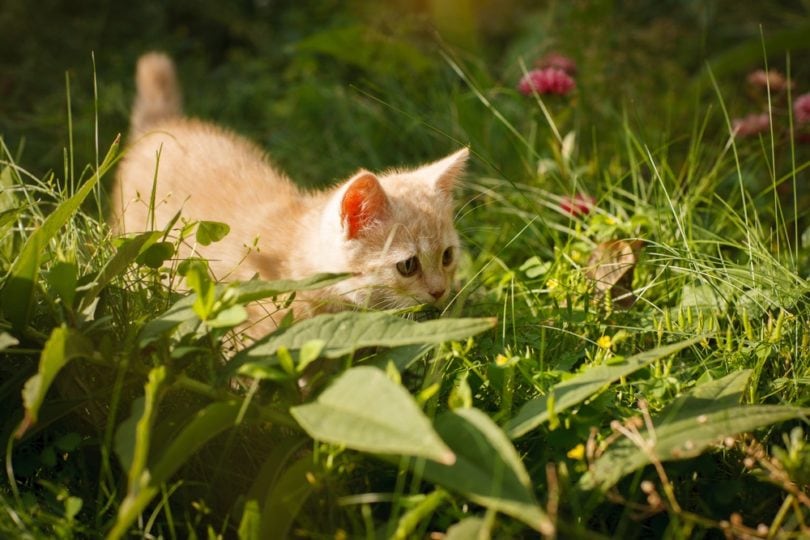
(801, 108)
(546, 81)
(580, 204)
(559, 61)
(751, 124)
(771, 78)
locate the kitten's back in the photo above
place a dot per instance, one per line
(174, 163)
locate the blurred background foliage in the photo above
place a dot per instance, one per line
(329, 86)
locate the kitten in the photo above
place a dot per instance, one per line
(393, 232)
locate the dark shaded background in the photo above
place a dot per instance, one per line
(329, 86)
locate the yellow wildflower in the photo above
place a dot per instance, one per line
(604, 342)
(577, 452)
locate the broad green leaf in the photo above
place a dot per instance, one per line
(702, 296)
(248, 291)
(310, 351)
(534, 267)
(261, 372)
(286, 361)
(178, 352)
(198, 280)
(488, 469)
(345, 332)
(257, 289)
(364, 410)
(63, 345)
(68, 442)
(401, 357)
(471, 528)
(461, 394)
(685, 428)
(16, 295)
(73, 505)
(209, 232)
(62, 278)
(133, 436)
(156, 254)
(580, 387)
(126, 253)
(286, 498)
(7, 340)
(284, 451)
(203, 427)
(711, 395)
(229, 317)
(8, 216)
(179, 313)
(250, 524)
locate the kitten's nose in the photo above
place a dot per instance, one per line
(437, 293)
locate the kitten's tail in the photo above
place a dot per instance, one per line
(158, 95)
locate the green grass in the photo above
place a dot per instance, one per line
(537, 402)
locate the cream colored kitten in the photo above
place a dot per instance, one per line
(394, 231)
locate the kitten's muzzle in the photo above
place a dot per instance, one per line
(437, 293)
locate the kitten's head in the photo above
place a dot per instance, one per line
(398, 235)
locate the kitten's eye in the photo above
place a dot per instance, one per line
(408, 267)
(447, 256)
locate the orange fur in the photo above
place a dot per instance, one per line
(365, 226)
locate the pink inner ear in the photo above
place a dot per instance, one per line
(363, 203)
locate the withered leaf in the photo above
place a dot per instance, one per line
(611, 267)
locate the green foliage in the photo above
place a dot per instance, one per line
(487, 468)
(287, 497)
(62, 346)
(585, 385)
(213, 303)
(571, 387)
(17, 294)
(344, 333)
(145, 484)
(364, 410)
(209, 232)
(708, 413)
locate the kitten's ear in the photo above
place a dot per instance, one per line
(447, 171)
(364, 202)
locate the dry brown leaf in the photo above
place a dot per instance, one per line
(611, 267)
